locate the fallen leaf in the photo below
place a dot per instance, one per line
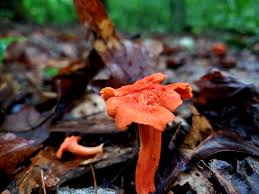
(215, 86)
(23, 120)
(13, 151)
(201, 128)
(197, 182)
(228, 103)
(215, 143)
(242, 180)
(223, 142)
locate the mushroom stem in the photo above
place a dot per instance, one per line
(70, 144)
(148, 158)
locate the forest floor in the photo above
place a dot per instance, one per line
(48, 92)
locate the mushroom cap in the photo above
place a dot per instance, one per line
(145, 102)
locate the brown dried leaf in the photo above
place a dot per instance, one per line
(127, 64)
(13, 151)
(200, 129)
(229, 103)
(216, 87)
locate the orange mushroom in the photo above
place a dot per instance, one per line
(70, 144)
(149, 104)
(219, 49)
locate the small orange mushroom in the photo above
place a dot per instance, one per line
(219, 49)
(70, 144)
(149, 104)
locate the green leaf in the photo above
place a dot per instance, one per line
(50, 72)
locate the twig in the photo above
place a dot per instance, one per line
(43, 182)
(94, 178)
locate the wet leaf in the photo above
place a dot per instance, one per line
(243, 180)
(214, 144)
(195, 180)
(250, 167)
(228, 103)
(220, 176)
(217, 87)
(13, 151)
(223, 142)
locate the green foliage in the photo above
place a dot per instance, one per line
(50, 72)
(156, 16)
(50, 11)
(141, 15)
(153, 15)
(239, 15)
